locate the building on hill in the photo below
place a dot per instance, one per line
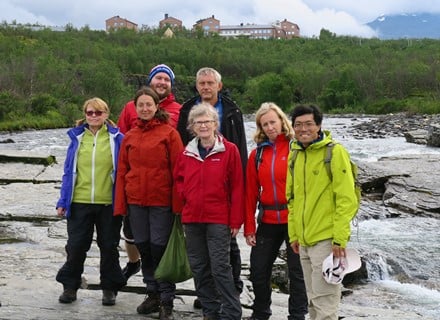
(208, 25)
(279, 30)
(290, 29)
(170, 22)
(117, 22)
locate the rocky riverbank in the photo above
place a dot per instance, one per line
(416, 128)
(32, 240)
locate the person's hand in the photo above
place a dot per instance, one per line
(251, 240)
(295, 246)
(61, 211)
(338, 251)
(234, 232)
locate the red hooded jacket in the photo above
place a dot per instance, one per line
(268, 185)
(145, 168)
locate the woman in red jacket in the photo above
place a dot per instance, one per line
(145, 187)
(266, 186)
(209, 180)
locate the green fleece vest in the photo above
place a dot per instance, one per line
(94, 167)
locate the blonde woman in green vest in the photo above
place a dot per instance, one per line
(86, 201)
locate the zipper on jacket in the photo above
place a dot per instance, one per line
(305, 196)
(95, 139)
(274, 185)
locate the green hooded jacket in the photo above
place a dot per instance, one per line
(320, 208)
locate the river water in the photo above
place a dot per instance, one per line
(413, 244)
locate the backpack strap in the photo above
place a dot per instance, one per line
(292, 161)
(258, 157)
(328, 159)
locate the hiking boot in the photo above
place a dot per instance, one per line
(68, 296)
(197, 304)
(149, 305)
(166, 311)
(131, 268)
(108, 298)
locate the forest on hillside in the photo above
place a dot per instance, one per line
(45, 76)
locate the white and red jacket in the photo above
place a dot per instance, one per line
(212, 189)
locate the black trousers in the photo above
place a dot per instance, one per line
(269, 238)
(235, 260)
(80, 228)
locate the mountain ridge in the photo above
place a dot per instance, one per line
(407, 25)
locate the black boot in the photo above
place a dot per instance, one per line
(149, 305)
(166, 311)
(68, 296)
(108, 298)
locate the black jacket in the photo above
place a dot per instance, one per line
(232, 126)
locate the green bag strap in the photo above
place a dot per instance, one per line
(328, 159)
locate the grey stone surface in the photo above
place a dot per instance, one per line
(32, 250)
(434, 135)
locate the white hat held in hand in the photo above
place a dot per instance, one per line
(334, 269)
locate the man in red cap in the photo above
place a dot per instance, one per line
(161, 80)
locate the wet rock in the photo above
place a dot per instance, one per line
(434, 135)
(25, 157)
(409, 184)
(398, 125)
(9, 140)
(418, 136)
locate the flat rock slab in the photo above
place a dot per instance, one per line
(28, 199)
(26, 157)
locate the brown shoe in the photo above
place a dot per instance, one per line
(166, 312)
(149, 305)
(68, 296)
(108, 298)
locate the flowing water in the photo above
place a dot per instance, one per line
(412, 244)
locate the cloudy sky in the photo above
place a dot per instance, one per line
(343, 17)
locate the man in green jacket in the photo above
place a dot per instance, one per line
(320, 207)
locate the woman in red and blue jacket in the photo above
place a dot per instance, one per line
(266, 187)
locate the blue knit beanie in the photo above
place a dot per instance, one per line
(161, 68)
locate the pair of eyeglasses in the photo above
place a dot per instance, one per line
(97, 113)
(205, 123)
(303, 125)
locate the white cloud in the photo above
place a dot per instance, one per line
(11, 12)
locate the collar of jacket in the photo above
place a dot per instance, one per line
(321, 137)
(280, 138)
(145, 125)
(325, 137)
(192, 150)
(76, 131)
(167, 100)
